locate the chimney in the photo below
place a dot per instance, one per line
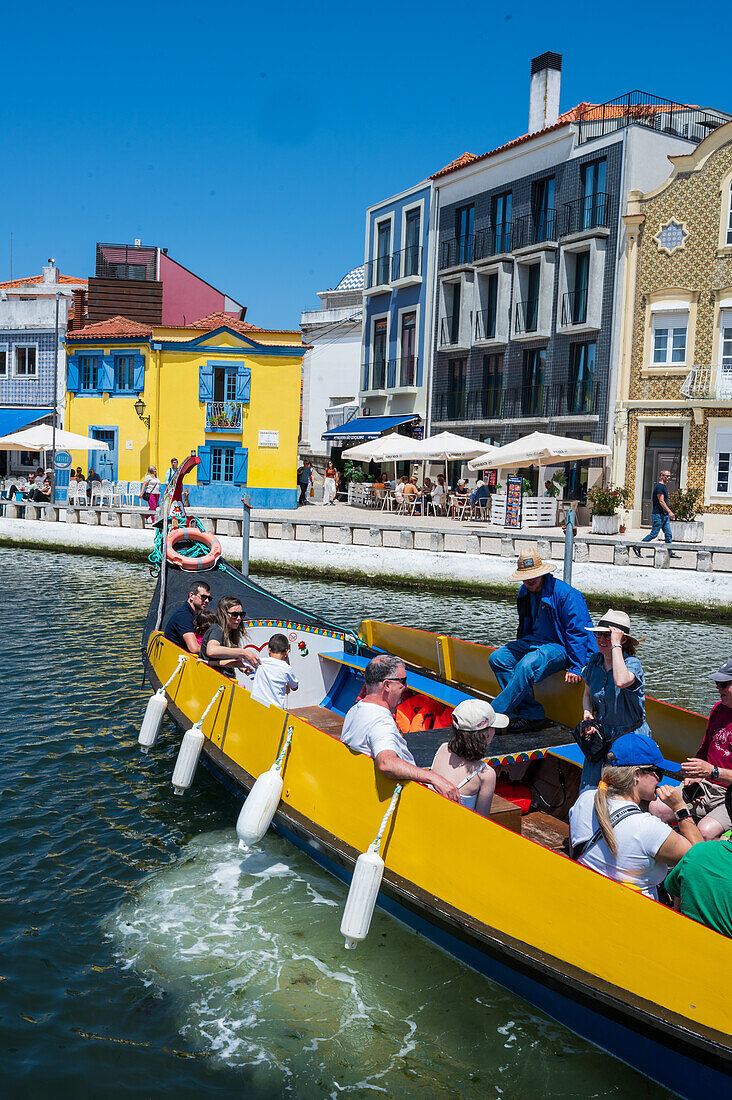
(50, 273)
(546, 79)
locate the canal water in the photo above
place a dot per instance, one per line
(140, 955)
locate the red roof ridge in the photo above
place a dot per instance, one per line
(112, 326)
(36, 279)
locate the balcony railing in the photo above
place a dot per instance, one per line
(450, 330)
(641, 109)
(458, 250)
(378, 374)
(534, 228)
(514, 402)
(402, 373)
(125, 261)
(223, 416)
(378, 272)
(590, 212)
(527, 316)
(708, 383)
(574, 307)
(451, 406)
(485, 404)
(406, 263)
(492, 241)
(485, 324)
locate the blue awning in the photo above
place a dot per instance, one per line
(12, 420)
(367, 427)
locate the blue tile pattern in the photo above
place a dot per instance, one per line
(38, 389)
(353, 280)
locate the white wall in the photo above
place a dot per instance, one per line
(331, 371)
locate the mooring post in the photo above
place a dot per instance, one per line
(246, 511)
(568, 546)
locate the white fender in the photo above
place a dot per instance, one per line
(362, 895)
(259, 808)
(187, 762)
(157, 705)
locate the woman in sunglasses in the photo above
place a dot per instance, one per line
(610, 829)
(221, 645)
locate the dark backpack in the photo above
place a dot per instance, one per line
(592, 739)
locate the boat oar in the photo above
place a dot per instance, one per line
(156, 707)
(255, 816)
(364, 888)
(190, 751)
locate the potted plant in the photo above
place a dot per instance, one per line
(686, 506)
(605, 504)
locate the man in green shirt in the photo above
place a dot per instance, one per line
(701, 885)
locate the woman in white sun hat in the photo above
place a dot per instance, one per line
(614, 686)
(474, 723)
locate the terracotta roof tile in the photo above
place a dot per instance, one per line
(11, 284)
(218, 320)
(114, 327)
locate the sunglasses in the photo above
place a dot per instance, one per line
(655, 771)
(204, 598)
(395, 679)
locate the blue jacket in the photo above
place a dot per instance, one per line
(570, 616)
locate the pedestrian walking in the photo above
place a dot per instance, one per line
(661, 514)
(304, 481)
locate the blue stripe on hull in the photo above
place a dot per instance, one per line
(687, 1077)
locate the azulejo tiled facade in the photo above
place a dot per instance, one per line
(674, 406)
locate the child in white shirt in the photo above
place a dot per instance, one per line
(274, 678)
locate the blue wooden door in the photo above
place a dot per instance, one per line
(105, 462)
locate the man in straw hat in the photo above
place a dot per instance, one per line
(552, 635)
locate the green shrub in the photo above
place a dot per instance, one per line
(605, 502)
(686, 504)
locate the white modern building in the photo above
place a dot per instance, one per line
(331, 366)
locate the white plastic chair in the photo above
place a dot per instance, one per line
(119, 492)
(72, 493)
(106, 492)
(132, 493)
(96, 493)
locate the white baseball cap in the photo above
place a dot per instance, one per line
(476, 714)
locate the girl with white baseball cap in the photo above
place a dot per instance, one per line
(474, 723)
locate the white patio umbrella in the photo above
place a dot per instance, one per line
(539, 449)
(387, 448)
(40, 438)
(449, 447)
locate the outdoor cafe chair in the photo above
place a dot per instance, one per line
(119, 490)
(76, 492)
(132, 492)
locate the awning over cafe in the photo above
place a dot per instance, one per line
(366, 427)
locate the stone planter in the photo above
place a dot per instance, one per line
(692, 531)
(605, 525)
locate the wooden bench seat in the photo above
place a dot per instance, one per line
(322, 718)
(547, 831)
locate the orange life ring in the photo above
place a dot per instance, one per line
(192, 534)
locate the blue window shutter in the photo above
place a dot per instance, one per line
(72, 374)
(205, 383)
(203, 472)
(106, 374)
(243, 383)
(139, 380)
(241, 458)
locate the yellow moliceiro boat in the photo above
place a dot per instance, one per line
(644, 983)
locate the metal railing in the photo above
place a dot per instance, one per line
(485, 404)
(534, 228)
(406, 263)
(124, 261)
(638, 108)
(450, 330)
(378, 272)
(708, 383)
(223, 416)
(402, 372)
(485, 324)
(492, 241)
(574, 307)
(456, 251)
(527, 315)
(378, 374)
(590, 212)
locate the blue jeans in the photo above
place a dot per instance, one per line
(659, 523)
(518, 666)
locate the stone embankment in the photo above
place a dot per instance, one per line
(682, 590)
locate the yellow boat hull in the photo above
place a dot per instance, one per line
(500, 895)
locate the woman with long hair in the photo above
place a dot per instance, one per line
(221, 645)
(614, 687)
(330, 484)
(150, 490)
(610, 830)
(460, 759)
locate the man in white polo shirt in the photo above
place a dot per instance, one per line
(369, 727)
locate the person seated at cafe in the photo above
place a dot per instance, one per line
(42, 492)
(480, 495)
(700, 884)
(369, 726)
(222, 645)
(79, 475)
(474, 724)
(91, 477)
(614, 693)
(708, 774)
(399, 489)
(379, 489)
(411, 492)
(439, 494)
(462, 491)
(610, 829)
(181, 626)
(552, 636)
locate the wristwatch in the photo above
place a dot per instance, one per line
(714, 773)
(683, 812)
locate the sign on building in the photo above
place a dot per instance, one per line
(513, 501)
(63, 460)
(268, 439)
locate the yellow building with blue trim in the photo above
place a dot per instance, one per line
(219, 388)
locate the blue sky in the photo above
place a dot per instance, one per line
(249, 140)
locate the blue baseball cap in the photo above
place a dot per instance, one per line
(635, 751)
